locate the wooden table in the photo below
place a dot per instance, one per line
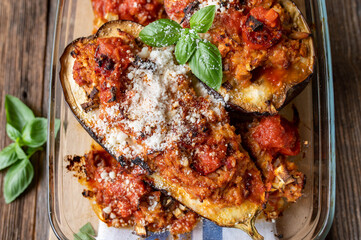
(26, 31)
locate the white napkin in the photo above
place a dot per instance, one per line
(205, 230)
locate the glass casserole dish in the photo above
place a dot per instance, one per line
(309, 218)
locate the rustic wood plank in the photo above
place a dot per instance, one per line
(344, 23)
(22, 51)
(42, 227)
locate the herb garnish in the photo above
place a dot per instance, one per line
(204, 58)
(86, 232)
(161, 33)
(29, 134)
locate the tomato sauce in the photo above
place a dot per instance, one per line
(261, 29)
(113, 57)
(115, 186)
(275, 76)
(268, 16)
(125, 199)
(81, 74)
(210, 156)
(140, 11)
(277, 135)
(254, 187)
(233, 21)
(103, 64)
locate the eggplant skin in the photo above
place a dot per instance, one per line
(74, 98)
(239, 216)
(243, 64)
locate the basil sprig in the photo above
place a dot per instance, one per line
(204, 58)
(29, 133)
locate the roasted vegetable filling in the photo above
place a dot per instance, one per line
(266, 50)
(270, 141)
(139, 11)
(122, 198)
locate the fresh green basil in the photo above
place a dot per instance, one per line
(206, 64)
(202, 20)
(17, 179)
(12, 132)
(86, 232)
(82, 236)
(161, 33)
(8, 156)
(88, 229)
(28, 132)
(35, 132)
(57, 126)
(17, 113)
(20, 152)
(186, 46)
(30, 151)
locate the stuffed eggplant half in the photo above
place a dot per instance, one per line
(266, 48)
(120, 197)
(144, 109)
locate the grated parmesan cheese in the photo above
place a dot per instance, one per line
(207, 3)
(151, 112)
(107, 210)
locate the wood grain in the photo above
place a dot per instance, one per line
(22, 50)
(42, 228)
(25, 48)
(345, 32)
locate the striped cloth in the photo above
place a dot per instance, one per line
(205, 230)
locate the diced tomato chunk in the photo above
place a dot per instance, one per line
(271, 17)
(261, 29)
(267, 16)
(277, 135)
(209, 157)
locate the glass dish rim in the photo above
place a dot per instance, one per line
(326, 226)
(331, 122)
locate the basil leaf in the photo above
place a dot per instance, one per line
(20, 152)
(88, 229)
(202, 20)
(30, 151)
(76, 237)
(17, 113)
(12, 132)
(186, 46)
(85, 233)
(206, 64)
(17, 179)
(35, 132)
(57, 126)
(161, 33)
(82, 236)
(8, 156)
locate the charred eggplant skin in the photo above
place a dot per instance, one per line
(238, 113)
(257, 97)
(293, 92)
(242, 217)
